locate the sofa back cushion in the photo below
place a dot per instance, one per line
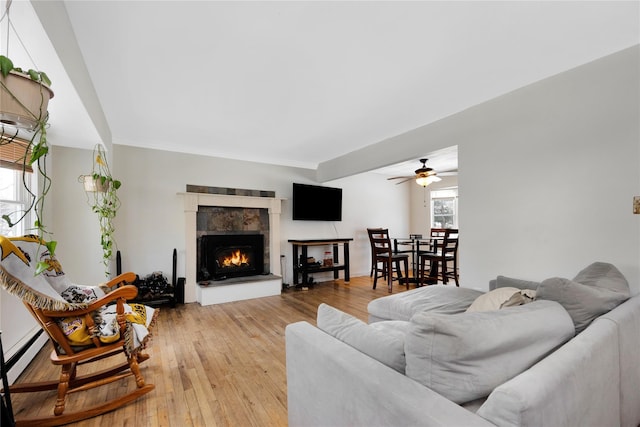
(510, 282)
(465, 356)
(603, 275)
(597, 289)
(383, 341)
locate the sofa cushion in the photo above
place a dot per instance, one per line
(584, 303)
(501, 298)
(603, 275)
(383, 341)
(510, 282)
(435, 298)
(465, 356)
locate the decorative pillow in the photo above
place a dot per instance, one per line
(75, 329)
(501, 298)
(496, 299)
(465, 356)
(504, 282)
(584, 303)
(383, 341)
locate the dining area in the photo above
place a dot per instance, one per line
(415, 259)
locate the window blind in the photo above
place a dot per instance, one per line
(13, 154)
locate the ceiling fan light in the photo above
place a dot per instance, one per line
(424, 180)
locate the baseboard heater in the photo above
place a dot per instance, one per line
(18, 354)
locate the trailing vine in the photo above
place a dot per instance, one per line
(38, 147)
(103, 200)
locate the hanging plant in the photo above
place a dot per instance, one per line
(102, 195)
(24, 98)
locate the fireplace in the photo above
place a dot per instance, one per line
(223, 256)
(236, 289)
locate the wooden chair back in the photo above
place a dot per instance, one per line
(438, 232)
(449, 245)
(380, 243)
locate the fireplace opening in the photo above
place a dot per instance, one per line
(223, 256)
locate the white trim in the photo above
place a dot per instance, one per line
(28, 356)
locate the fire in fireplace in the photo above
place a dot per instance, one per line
(223, 256)
(237, 258)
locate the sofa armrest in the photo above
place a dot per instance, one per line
(626, 317)
(576, 385)
(331, 383)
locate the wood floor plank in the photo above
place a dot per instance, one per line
(219, 365)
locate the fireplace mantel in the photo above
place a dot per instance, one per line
(191, 203)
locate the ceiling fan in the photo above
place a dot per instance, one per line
(423, 175)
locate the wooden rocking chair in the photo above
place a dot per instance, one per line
(50, 309)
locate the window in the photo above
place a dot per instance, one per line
(444, 208)
(14, 198)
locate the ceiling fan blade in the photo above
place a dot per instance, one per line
(407, 178)
(448, 173)
(401, 177)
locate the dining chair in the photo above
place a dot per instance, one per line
(373, 231)
(443, 258)
(383, 258)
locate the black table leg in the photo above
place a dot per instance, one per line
(346, 262)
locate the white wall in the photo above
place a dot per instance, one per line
(75, 226)
(150, 223)
(548, 174)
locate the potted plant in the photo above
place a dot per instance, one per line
(102, 195)
(24, 98)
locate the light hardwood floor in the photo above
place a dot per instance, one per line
(219, 365)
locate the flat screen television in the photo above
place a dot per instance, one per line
(316, 203)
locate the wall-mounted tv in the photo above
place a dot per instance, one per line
(316, 203)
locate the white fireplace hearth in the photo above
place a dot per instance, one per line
(240, 288)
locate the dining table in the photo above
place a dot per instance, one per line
(414, 245)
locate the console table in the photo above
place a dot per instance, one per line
(300, 256)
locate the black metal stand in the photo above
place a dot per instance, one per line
(301, 267)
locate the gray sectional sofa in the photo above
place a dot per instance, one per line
(442, 356)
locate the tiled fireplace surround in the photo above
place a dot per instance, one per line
(238, 288)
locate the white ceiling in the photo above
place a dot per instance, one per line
(299, 83)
